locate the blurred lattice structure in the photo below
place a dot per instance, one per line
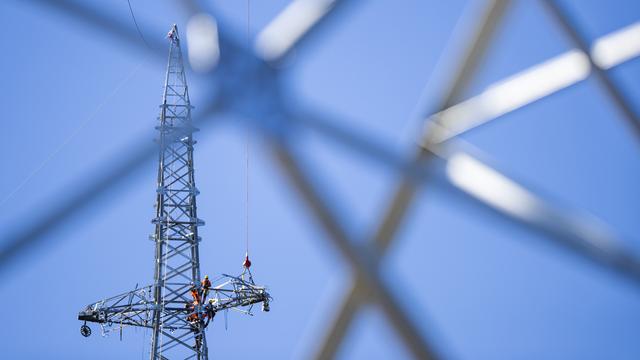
(220, 58)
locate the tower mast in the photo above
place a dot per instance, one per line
(177, 263)
(175, 306)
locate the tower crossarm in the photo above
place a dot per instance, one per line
(238, 292)
(132, 308)
(136, 307)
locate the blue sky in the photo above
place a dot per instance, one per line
(484, 288)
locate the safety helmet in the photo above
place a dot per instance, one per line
(206, 276)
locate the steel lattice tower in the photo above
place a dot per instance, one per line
(177, 262)
(170, 307)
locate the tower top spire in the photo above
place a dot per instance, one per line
(173, 33)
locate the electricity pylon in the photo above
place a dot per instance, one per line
(175, 306)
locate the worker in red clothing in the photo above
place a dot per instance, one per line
(206, 284)
(192, 318)
(196, 295)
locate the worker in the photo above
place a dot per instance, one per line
(196, 326)
(192, 318)
(209, 308)
(196, 295)
(206, 284)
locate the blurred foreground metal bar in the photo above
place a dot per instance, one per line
(366, 268)
(98, 19)
(407, 188)
(288, 30)
(563, 233)
(23, 238)
(581, 41)
(533, 84)
(570, 228)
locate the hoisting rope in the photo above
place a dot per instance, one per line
(247, 263)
